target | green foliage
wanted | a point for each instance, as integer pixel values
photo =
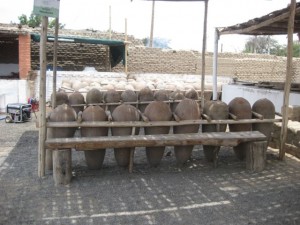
(157, 42)
(265, 45)
(51, 24)
(36, 21)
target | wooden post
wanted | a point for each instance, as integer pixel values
(287, 86)
(62, 166)
(152, 25)
(42, 98)
(203, 55)
(55, 62)
(256, 156)
(126, 47)
(110, 22)
(130, 167)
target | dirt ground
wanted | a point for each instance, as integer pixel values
(194, 194)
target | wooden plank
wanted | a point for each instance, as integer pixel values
(214, 138)
(157, 123)
(130, 167)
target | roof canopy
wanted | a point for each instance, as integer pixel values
(274, 23)
(116, 48)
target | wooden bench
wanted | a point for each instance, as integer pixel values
(255, 157)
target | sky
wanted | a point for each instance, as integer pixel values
(179, 22)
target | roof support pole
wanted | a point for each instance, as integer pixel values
(152, 25)
(287, 86)
(55, 62)
(215, 65)
(203, 54)
(42, 98)
(126, 47)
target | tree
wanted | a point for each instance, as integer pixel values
(36, 21)
(157, 42)
(260, 44)
(265, 44)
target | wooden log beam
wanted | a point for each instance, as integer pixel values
(214, 138)
(256, 156)
(157, 123)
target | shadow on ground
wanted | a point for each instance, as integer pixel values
(194, 194)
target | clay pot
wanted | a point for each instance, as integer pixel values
(192, 94)
(61, 98)
(241, 108)
(75, 99)
(94, 158)
(161, 95)
(176, 95)
(112, 96)
(63, 113)
(124, 112)
(216, 110)
(266, 108)
(129, 96)
(145, 95)
(94, 96)
(187, 109)
(157, 111)
(62, 159)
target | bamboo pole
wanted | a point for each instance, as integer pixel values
(109, 22)
(215, 65)
(126, 48)
(157, 123)
(55, 62)
(203, 54)
(287, 86)
(42, 99)
(152, 25)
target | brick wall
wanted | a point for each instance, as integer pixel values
(24, 56)
(245, 67)
(73, 56)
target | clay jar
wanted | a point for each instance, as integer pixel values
(94, 158)
(267, 109)
(176, 95)
(187, 109)
(112, 96)
(62, 158)
(61, 98)
(94, 96)
(76, 98)
(241, 108)
(145, 95)
(128, 96)
(157, 111)
(63, 113)
(124, 112)
(216, 110)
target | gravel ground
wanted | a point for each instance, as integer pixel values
(194, 194)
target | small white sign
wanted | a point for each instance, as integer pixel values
(48, 8)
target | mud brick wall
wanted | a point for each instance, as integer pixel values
(73, 56)
(292, 145)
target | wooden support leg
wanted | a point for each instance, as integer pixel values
(62, 166)
(216, 156)
(49, 152)
(49, 159)
(130, 166)
(256, 156)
